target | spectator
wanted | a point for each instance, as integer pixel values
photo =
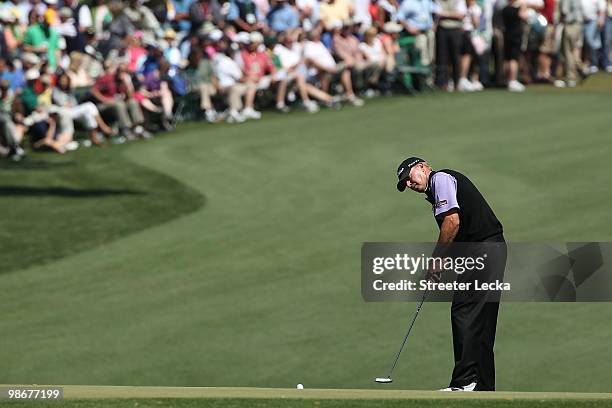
(346, 46)
(203, 11)
(547, 49)
(514, 15)
(607, 39)
(448, 41)
(292, 70)
(594, 14)
(324, 67)
(571, 17)
(159, 88)
(12, 75)
(416, 17)
(375, 55)
(11, 133)
(42, 39)
(309, 13)
(283, 16)
(333, 12)
(234, 84)
(245, 16)
(86, 113)
(468, 51)
(114, 92)
(200, 80)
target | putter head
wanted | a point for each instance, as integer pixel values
(383, 380)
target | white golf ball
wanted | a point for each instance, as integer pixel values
(300, 386)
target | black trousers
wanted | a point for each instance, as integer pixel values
(448, 49)
(474, 321)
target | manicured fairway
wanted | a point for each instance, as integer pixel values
(229, 255)
(104, 396)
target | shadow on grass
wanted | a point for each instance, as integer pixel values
(33, 164)
(19, 191)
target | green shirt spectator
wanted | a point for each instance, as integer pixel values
(41, 36)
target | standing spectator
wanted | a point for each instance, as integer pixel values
(283, 16)
(607, 38)
(571, 17)
(416, 17)
(448, 41)
(514, 14)
(468, 51)
(594, 14)
(114, 93)
(547, 49)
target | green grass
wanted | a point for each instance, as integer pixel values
(260, 287)
(296, 403)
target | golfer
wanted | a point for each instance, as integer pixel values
(464, 216)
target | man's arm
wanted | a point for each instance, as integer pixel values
(449, 227)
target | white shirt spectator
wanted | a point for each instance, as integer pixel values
(227, 71)
(289, 58)
(362, 13)
(592, 8)
(373, 52)
(318, 53)
(85, 19)
(473, 13)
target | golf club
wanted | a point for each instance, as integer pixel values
(388, 379)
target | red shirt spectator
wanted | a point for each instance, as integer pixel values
(257, 64)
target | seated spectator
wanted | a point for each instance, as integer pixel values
(333, 11)
(12, 75)
(114, 93)
(283, 16)
(63, 123)
(309, 13)
(346, 47)
(294, 70)
(42, 39)
(234, 84)
(86, 113)
(135, 52)
(245, 16)
(319, 59)
(200, 80)
(11, 133)
(372, 48)
(203, 11)
(158, 86)
(39, 124)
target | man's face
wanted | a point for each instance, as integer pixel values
(417, 179)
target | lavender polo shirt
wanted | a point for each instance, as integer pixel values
(444, 189)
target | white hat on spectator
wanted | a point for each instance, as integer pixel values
(32, 74)
(392, 27)
(257, 37)
(215, 35)
(242, 37)
(207, 28)
(51, 2)
(30, 58)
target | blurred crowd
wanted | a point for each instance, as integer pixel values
(122, 70)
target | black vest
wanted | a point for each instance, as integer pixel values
(477, 222)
